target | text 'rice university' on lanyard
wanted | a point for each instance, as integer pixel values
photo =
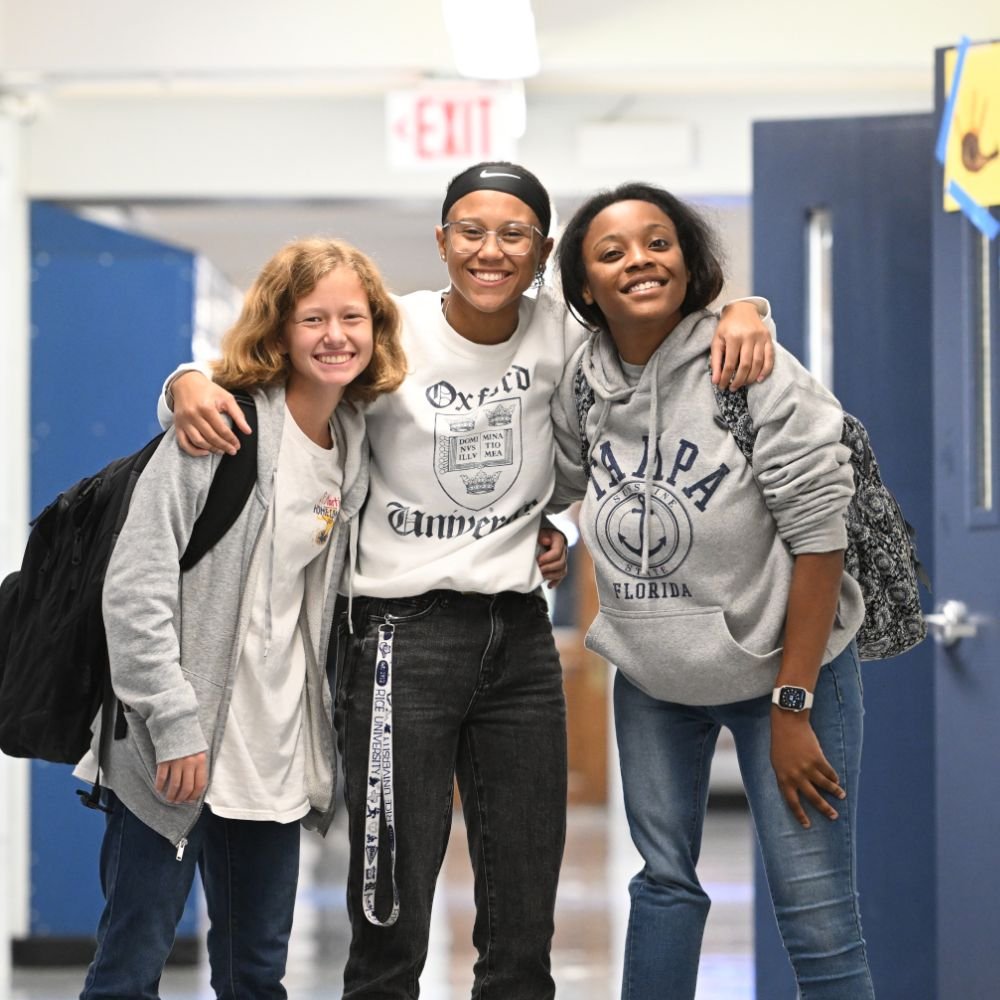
(380, 778)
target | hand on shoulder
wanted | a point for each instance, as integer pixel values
(200, 411)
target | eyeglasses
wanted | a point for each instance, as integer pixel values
(514, 238)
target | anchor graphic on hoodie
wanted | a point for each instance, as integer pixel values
(641, 511)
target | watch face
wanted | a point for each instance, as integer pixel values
(792, 698)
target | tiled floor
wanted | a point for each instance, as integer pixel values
(590, 923)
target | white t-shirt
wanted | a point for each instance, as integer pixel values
(259, 773)
(462, 455)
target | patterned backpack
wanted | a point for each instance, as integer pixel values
(881, 549)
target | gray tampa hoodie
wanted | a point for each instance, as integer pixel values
(693, 548)
(174, 641)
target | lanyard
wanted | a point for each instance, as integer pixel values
(380, 779)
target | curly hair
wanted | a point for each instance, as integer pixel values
(251, 349)
(698, 242)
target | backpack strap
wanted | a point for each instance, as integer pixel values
(231, 488)
(583, 397)
(112, 719)
(734, 414)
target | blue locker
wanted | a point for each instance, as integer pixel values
(111, 313)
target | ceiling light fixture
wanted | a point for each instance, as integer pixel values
(492, 42)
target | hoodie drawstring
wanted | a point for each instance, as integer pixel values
(608, 396)
(270, 563)
(601, 420)
(652, 450)
(352, 560)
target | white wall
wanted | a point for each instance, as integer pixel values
(322, 147)
(13, 507)
(587, 45)
(107, 38)
(245, 98)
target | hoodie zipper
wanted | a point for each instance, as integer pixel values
(217, 733)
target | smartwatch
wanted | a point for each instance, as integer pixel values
(792, 698)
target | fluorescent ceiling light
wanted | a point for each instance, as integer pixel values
(491, 41)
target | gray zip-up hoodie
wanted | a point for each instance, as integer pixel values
(693, 549)
(174, 641)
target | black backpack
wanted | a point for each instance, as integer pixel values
(54, 675)
(881, 549)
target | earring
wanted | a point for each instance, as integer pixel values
(539, 276)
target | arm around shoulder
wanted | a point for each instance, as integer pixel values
(203, 413)
(762, 305)
(165, 403)
(742, 350)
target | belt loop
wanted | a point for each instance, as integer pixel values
(362, 608)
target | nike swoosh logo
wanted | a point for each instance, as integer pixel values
(497, 173)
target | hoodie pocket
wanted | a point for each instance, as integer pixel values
(142, 742)
(686, 656)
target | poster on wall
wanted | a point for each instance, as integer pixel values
(970, 139)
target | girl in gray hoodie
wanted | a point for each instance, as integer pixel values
(221, 671)
(723, 595)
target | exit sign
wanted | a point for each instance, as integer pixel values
(450, 127)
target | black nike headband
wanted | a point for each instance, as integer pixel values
(505, 177)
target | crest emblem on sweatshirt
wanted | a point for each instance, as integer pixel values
(625, 517)
(477, 454)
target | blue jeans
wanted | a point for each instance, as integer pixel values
(249, 871)
(666, 752)
(476, 693)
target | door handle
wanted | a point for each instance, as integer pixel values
(951, 623)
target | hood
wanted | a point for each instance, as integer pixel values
(602, 364)
(270, 403)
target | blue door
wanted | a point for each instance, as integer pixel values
(967, 575)
(842, 247)
(110, 313)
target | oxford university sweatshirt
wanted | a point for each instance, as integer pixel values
(462, 454)
(693, 548)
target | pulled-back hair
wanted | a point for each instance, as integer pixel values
(698, 242)
(251, 349)
(509, 178)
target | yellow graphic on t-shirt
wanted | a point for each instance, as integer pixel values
(326, 510)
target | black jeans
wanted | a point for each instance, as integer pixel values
(476, 692)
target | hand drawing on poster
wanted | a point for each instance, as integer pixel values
(969, 143)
